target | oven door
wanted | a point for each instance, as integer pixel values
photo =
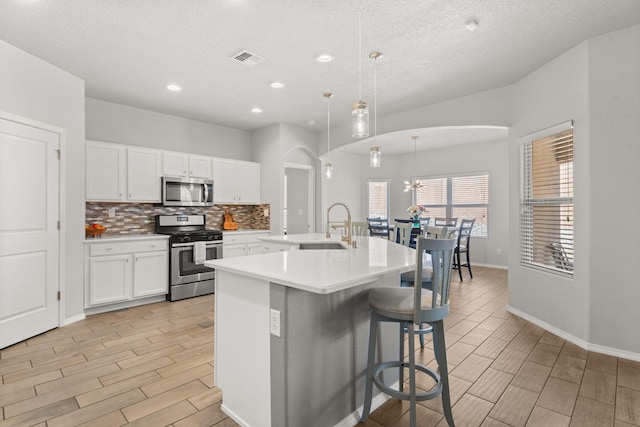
(184, 270)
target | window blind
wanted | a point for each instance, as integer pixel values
(546, 202)
(378, 198)
(457, 197)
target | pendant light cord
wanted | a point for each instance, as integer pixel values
(360, 57)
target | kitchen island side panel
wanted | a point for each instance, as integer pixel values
(242, 355)
(318, 363)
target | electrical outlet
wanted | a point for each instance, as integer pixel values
(274, 324)
(112, 212)
(498, 251)
(266, 212)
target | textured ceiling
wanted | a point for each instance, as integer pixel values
(128, 50)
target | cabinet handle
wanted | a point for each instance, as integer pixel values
(129, 195)
(119, 194)
(107, 249)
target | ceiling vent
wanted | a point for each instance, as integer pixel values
(247, 58)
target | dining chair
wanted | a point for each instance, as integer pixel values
(448, 222)
(378, 227)
(462, 247)
(359, 228)
(403, 232)
(410, 307)
(433, 232)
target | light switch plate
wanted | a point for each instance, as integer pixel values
(274, 324)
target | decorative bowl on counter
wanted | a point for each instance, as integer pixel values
(94, 230)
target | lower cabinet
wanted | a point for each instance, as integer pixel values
(239, 243)
(123, 271)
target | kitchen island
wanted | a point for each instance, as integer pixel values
(291, 328)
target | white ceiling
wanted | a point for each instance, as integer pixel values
(128, 50)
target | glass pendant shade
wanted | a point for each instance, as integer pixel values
(375, 157)
(328, 170)
(360, 120)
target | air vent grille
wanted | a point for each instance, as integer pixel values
(247, 58)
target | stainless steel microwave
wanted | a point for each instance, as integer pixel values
(187, 191)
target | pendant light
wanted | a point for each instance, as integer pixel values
(375, 156)
(328, 169)
(360, 113)
(414, 185)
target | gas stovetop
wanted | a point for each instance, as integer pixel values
(186, 228)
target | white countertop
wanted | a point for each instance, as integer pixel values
(323, 271)
(126, 238)
(245, 231)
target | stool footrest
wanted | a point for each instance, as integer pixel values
(403, 395)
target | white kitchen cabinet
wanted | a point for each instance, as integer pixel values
(143, 175)
(236, 181)
(200, 167)
(123, 272)
(109, 279)
(150, 273)
(243, 243)
(175, 164)
(105, 171)
(116, 172)
(185, 165)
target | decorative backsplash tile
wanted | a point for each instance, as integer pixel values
(139, 218)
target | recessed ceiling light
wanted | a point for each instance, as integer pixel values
(324, 57)
(174, 88)
(276, 85)
(471, 24)
(256, 110)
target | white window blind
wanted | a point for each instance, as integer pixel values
(378, 198)
(546, 200)
(457, 197)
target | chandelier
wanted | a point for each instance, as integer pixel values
(414, 184)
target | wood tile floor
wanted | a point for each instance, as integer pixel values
(153, 366)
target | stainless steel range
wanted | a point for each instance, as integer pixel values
(191, 244)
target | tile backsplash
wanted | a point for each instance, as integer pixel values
(139, 218)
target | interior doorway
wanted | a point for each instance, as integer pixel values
(299, 199)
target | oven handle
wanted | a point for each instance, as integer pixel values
(191, 244)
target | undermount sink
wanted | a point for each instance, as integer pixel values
(323, 245)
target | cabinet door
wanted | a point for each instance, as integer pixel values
(224, 180)
(248, 183)
(143, 175)
(200, 167)
(256, 248)
(104, 171)
(231, 251)
(109, 279)
(174, 164)
(150, 274)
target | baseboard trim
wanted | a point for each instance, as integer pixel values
(233, 416)
(73, 319)
(499, 267)
(609, 351)
(377, 401)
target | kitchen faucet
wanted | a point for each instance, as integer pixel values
(347, 224)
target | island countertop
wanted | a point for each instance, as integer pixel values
(323, 271)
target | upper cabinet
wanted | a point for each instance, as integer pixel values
(118, 173)
(105, 171)
(143, 175)
(186, 165)
(236, 181)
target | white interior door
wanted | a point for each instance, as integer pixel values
(29, 236)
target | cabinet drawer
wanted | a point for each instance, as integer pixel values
(117, 248)
(233, 239)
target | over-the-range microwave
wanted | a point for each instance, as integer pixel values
(186, 191)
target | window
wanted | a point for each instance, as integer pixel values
(546, 200)
(378, 198)
(457, 197)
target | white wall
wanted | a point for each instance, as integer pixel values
(345, 186)
(109, 122)
(34, 89)
(597, 84)
(614, 111)
(267, 149)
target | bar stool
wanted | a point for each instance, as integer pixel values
(410, 307)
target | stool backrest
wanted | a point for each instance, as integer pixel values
(464, 234)
(359, 228)
(436, 232)
(441, 253)
(378, 227)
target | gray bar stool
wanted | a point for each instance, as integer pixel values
(411, 307)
